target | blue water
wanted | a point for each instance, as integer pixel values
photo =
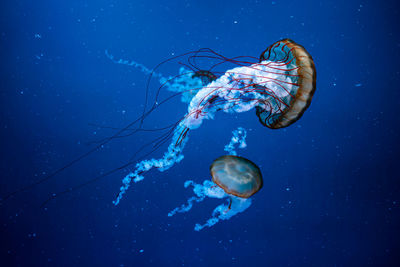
(331, 189)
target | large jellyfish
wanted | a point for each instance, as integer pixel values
(280, 87)
(233, 177)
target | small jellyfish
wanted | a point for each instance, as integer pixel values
(233, 177)
(236, 175)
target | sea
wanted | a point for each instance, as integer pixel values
(85, 99)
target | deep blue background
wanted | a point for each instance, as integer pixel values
(331, 180)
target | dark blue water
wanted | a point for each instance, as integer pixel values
(331, 189)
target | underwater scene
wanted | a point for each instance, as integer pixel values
(199, 133)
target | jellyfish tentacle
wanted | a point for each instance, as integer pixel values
(171, 156)
(230, 205)
(238, 138)
(187, 82)
(207, 189)
(186, 207)
(225, 212)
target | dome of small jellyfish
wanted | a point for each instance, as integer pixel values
(236, 175)
(295, 91)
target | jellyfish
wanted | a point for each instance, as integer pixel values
(279, 87)
(233, 177)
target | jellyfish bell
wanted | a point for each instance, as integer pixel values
(296, 93)
(236, 175)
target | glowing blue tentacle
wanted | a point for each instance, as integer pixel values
(224, 212)
(133, 63)
(238, 138)
(184, 83)
(171, 156)
(185, 207)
